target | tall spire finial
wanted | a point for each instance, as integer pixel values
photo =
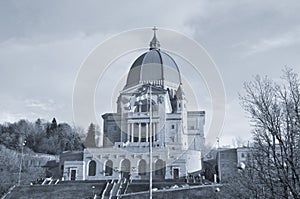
(154, 30)
(154, 44)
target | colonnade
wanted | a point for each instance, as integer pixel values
(143, 133)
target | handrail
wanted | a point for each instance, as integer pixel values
(105, 190)
(8, 192)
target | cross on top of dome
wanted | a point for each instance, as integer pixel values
(154, 44)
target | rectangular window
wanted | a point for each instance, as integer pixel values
(173, 126)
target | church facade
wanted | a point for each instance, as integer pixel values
(152, 124)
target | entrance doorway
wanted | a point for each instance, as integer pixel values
(160, 169)
(176, 173)
(73, 174)
(125, 168)
(108, 168)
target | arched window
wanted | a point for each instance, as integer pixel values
(160, 168)
(142, 167)
(92, 168)
(108, 168)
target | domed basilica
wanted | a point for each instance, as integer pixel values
(152, 124)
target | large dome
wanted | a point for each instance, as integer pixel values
(154, 67)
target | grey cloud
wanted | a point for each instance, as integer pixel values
(43, 43)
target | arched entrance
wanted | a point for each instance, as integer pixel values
(142, 167)
(160, 169)
(125, 168)
(108, 168)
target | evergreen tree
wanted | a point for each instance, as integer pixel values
(90, 139)
(53, 124)
(51, 128)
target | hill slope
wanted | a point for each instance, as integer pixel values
(60, 191)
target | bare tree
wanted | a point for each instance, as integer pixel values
(274, 112)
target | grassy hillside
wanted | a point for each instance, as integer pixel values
(68, 190)
(10, 167)
(84, 190)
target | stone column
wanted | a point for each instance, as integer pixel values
(140, 132)
(154, 131)
(147, 136)
(128, 132)
(132, 132)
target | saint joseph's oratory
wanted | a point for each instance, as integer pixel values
(151, 119)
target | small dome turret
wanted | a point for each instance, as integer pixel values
(179, 93)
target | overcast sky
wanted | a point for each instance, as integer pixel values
(43, 43)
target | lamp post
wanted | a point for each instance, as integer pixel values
(20, 168)
(93, 188)
(219, 159)
(150, 145)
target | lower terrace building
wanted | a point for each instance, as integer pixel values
(230, 160)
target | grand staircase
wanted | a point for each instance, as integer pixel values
(114, 188)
